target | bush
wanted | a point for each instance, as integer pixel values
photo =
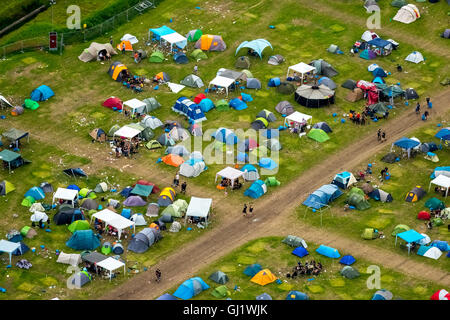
(15, 10)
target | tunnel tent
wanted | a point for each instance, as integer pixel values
(276, 60)
(156, 57)
(210, 42)
(94, 51)
(198, 55)
(407, 14)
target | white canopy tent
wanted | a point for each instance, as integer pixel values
(111, 264)
(175, 38)
(9, 247)
(199, 207)
(301, 68)
(441, 181)
(222, 82)
(134, 105)
(114, 220)
(298, 117)
(66, 195)
(127, 132)
(230, 173)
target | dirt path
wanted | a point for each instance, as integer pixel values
(275, 220)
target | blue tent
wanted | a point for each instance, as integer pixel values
(190, 288)
(237, 104)
(406, 143)
(225, 136)
(257, 45)
(83, 240)
(347, 260)
(166, 296)
(242, 157)
(180, 58)
(382, 294)
(252, 269)
(379, 72)
(267, 163)
(162, 31)
(20, 251)
(297, 295)
(206, 105)
(256, 190)
(73, 187)
(441, 245)
(328, 251)
(378, 80)
(126, 192)
(442, 133)
(322, 196)
(42, 93)
(437, 169)
(189, 109)
(380, 43)
(249, 168)
(35, 192)
(274, 82)
(300, 252)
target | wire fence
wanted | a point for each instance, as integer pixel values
(83, 35)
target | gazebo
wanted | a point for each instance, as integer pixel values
(9, 247)
(222, 82)
(114, 220)
(199, 207)
(134, 106)
(301, 68)
(66, 195)
(175, 39)
(441, 181)
(111, 264)
(230, 173)
(409, 236)
(127, 132)
(297, 117)
(9, 157)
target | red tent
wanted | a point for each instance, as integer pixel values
(113, 102)
(440, 295)
(147, 183)
(199, 98)
(423, 215)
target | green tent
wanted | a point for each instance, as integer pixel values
(28, 232)
(436, 222)
(147, 134)
(181, 204)
(260, 151)
(247, 73)
(142, 190)
(79, 225)
(106, 248)
(157, 57)
(399, 3)
(272, 182)
(349, 272)
(222, 105)
(293, 241)
(357, 191)
(434, 204)
(379, 108)
(194, 35)
(86, 193)
(31, 104)
(319, 135)
(400, 228)
(198, 54)
(358, 201)
(28, 201)
(113, 129)
(369, 234)
(152, 104)
(172, 210)
(153, 144)
(220, 292)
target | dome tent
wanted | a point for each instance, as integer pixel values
(219, 277)
(286, 88)
(410, 93)
(349, 84)
(190, 288)
(194, 35)
(156, 57)
(250, 172)
(407, 14)
(266, 114)
(324, 68)
(83, 240)
(253, 83)
(151, 104)
(263, 277)
(276, 60)
(242, 63)
(284, 107)
(198, 55)
(42, 93)
(192, 81)
(327, 82)
(256, 190)
(210, 42)
(180, 58)
(323, 126)
(415, 57)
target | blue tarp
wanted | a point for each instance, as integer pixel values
(300, 252)
(410, 236)
(442, 133)
(237, 104)
(190, 288)
(347, 260)
(441, 245)
(42, 93)
(328, 251)
(406, 143)
(257, 45)
(322, 196)
(35, 192)
(256, 190)
(162, 31)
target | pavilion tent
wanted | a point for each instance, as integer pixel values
(301, 68)
(9, 247)
(222, 82)
(441, 181)
(157, 33)
(111, 265)
(297, 117)
(199, 207)
(134, 106)
(12, 160)
(229, 173)
(314, 96)
(67, 195)
(15, 135)
(409, 237)
(115, 220)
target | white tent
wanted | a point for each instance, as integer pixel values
(175, 87)
(372, 67)
(111, 264)
(425, 240)
(433, 253)
(369, 35)
(138, 219)
(151, 122)
(416, 139)
(415, 57)
(222, 82)
(134, 105)
(188, 170)
(441, 181)
(199, 207)
(127, 132)
(9, 247)
(73, 259)
(38, 216)
(37, 206)
(114, 220)
(3, 99)
(407, 14)
(66, 195)
(297, 117)
(175, 38)
(129, 37)
(230, 173)
(301, 68)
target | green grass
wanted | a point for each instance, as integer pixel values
(329, 285)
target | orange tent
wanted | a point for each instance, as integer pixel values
(173, 160)
(154, 226)
(128, 46)
(263, 277)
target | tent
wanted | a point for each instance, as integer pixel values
(80, 279)
(151, 122)
(381, 195)
(314, 96)
(190, 288)
(96, 50)
(286, 88)
(134, 201)
(267, 163)
(179, 150)
(440, 295)
(79, 225)
(256, 190)
(75, 172)
(67, 195)
(349, 84)
(73, 259)
(347, 260)
(327, 82)
(198, 55)
(117, 71)
(156, 57)
(89, 204)
(12, 160)
(441, 181)
(294, 241)
(179, 134)
(222, 82)
(322, 196)
(129, 37)
(297, 295)
(369, 234)
(253, 83)
(199, 207)
(42, 93)
(238, 104)
(9, 247)
(266, 114)
(252, 270)
(415, 194)
(192, 81)
(344, 180)
(206, 105)
(230, 173)
(273, 144)
(301, 68)
(379, 109)
(67, 216)
(144, 239)
(219, 277)
(272, 182)
(423, 215)
(242, 63)
(113, 102)
(141, 190)
(368, 54)
(257, 46)
(300, 252)
(263, 277)
(175, 38)
(194, 35)
(399, 3)
(166, 197)
(189, 109)
(409, 236)
(111, 265)
(225, 136)
(382, 295)
(180, 58)
(14, 135)
(166, 296)
(328, 251)
(114, 220)
(429, 252)
(358, 201)
(379, 72)
(333, 49)
(151, 104)
(407, 14)
(98, 135)
(157, 33)
(210, 42)
(35, 192)
(18, 110)
(435, 203)
(31, 104)
(192, 168)
(173, 160)
(276, 60)
(350, 272)
(324, 68)
(285, 107)
(83, 240)
(274, 82)
(318, 135)
(406, 144)
(415, 57)
(125, 43)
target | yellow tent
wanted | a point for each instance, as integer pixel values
(128, 46)
(263, 277)
(6, 187)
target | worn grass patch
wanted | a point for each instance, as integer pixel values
(257, 247)
(27, 287)
(285, 286)
(41, 174)
(228, 268)
(29, 60)
(245, 260)
(379, 222)
(315, 288)
(49, 281)
(337, 283)
(337, 28)
(98, 115)
(387, 278)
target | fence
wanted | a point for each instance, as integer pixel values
(83, 35)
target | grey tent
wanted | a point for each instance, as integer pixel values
(178, 150)
(379, 108)
(333, 48)
(166, 218)
(95, 50)
(89, 204)
(147, 134)
(273, 144)
(134, 201)
(276, 60)
(381, 195)
(383, 294)
(152, 210)
(294, 241)
(175, 227)
(152, 104)
(266, 114)
(349, 84)
(446, 34)
(93, 257)
(264, 296)
(285, 107)
(46, 187)
(101, 187)
(144, 239)
(349, 272)
(80, 279)
(410, 93)
(242, 63)
(328, 82)
(165, 140)
(219, 277)
(428, 147)
(192, 81)
(253, 83)
(367, 188)
(324, 126)
(324, 68)
(389, 158)
(142, 54)
(196, 130)
(371, 5)
(286, 88)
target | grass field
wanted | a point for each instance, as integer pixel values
(276, 256)
(60, 127)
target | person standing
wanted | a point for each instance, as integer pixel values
(195, 69)
(251, 210)
(158, 275)
(429, 104)
(418, 108)
(383, 136)
(244, 211)
(123, 48)
(379, 134)
(176, 180)
(183, 187)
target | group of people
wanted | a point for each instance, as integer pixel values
(381, 135)
(227, 183)
(126, 147)
(176, 183)
(426, 114)
(309, 268)
(135, 83)
(250, 210)
(357, 117)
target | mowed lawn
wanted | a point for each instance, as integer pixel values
(405, 175)
(276, 256)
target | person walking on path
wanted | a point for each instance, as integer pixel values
(383, 136)
(244, 211)
(418, 108)
(183, 187)
(176, 180)
(158, 275)
(379, 134)
(251, 210)
(429, 103)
